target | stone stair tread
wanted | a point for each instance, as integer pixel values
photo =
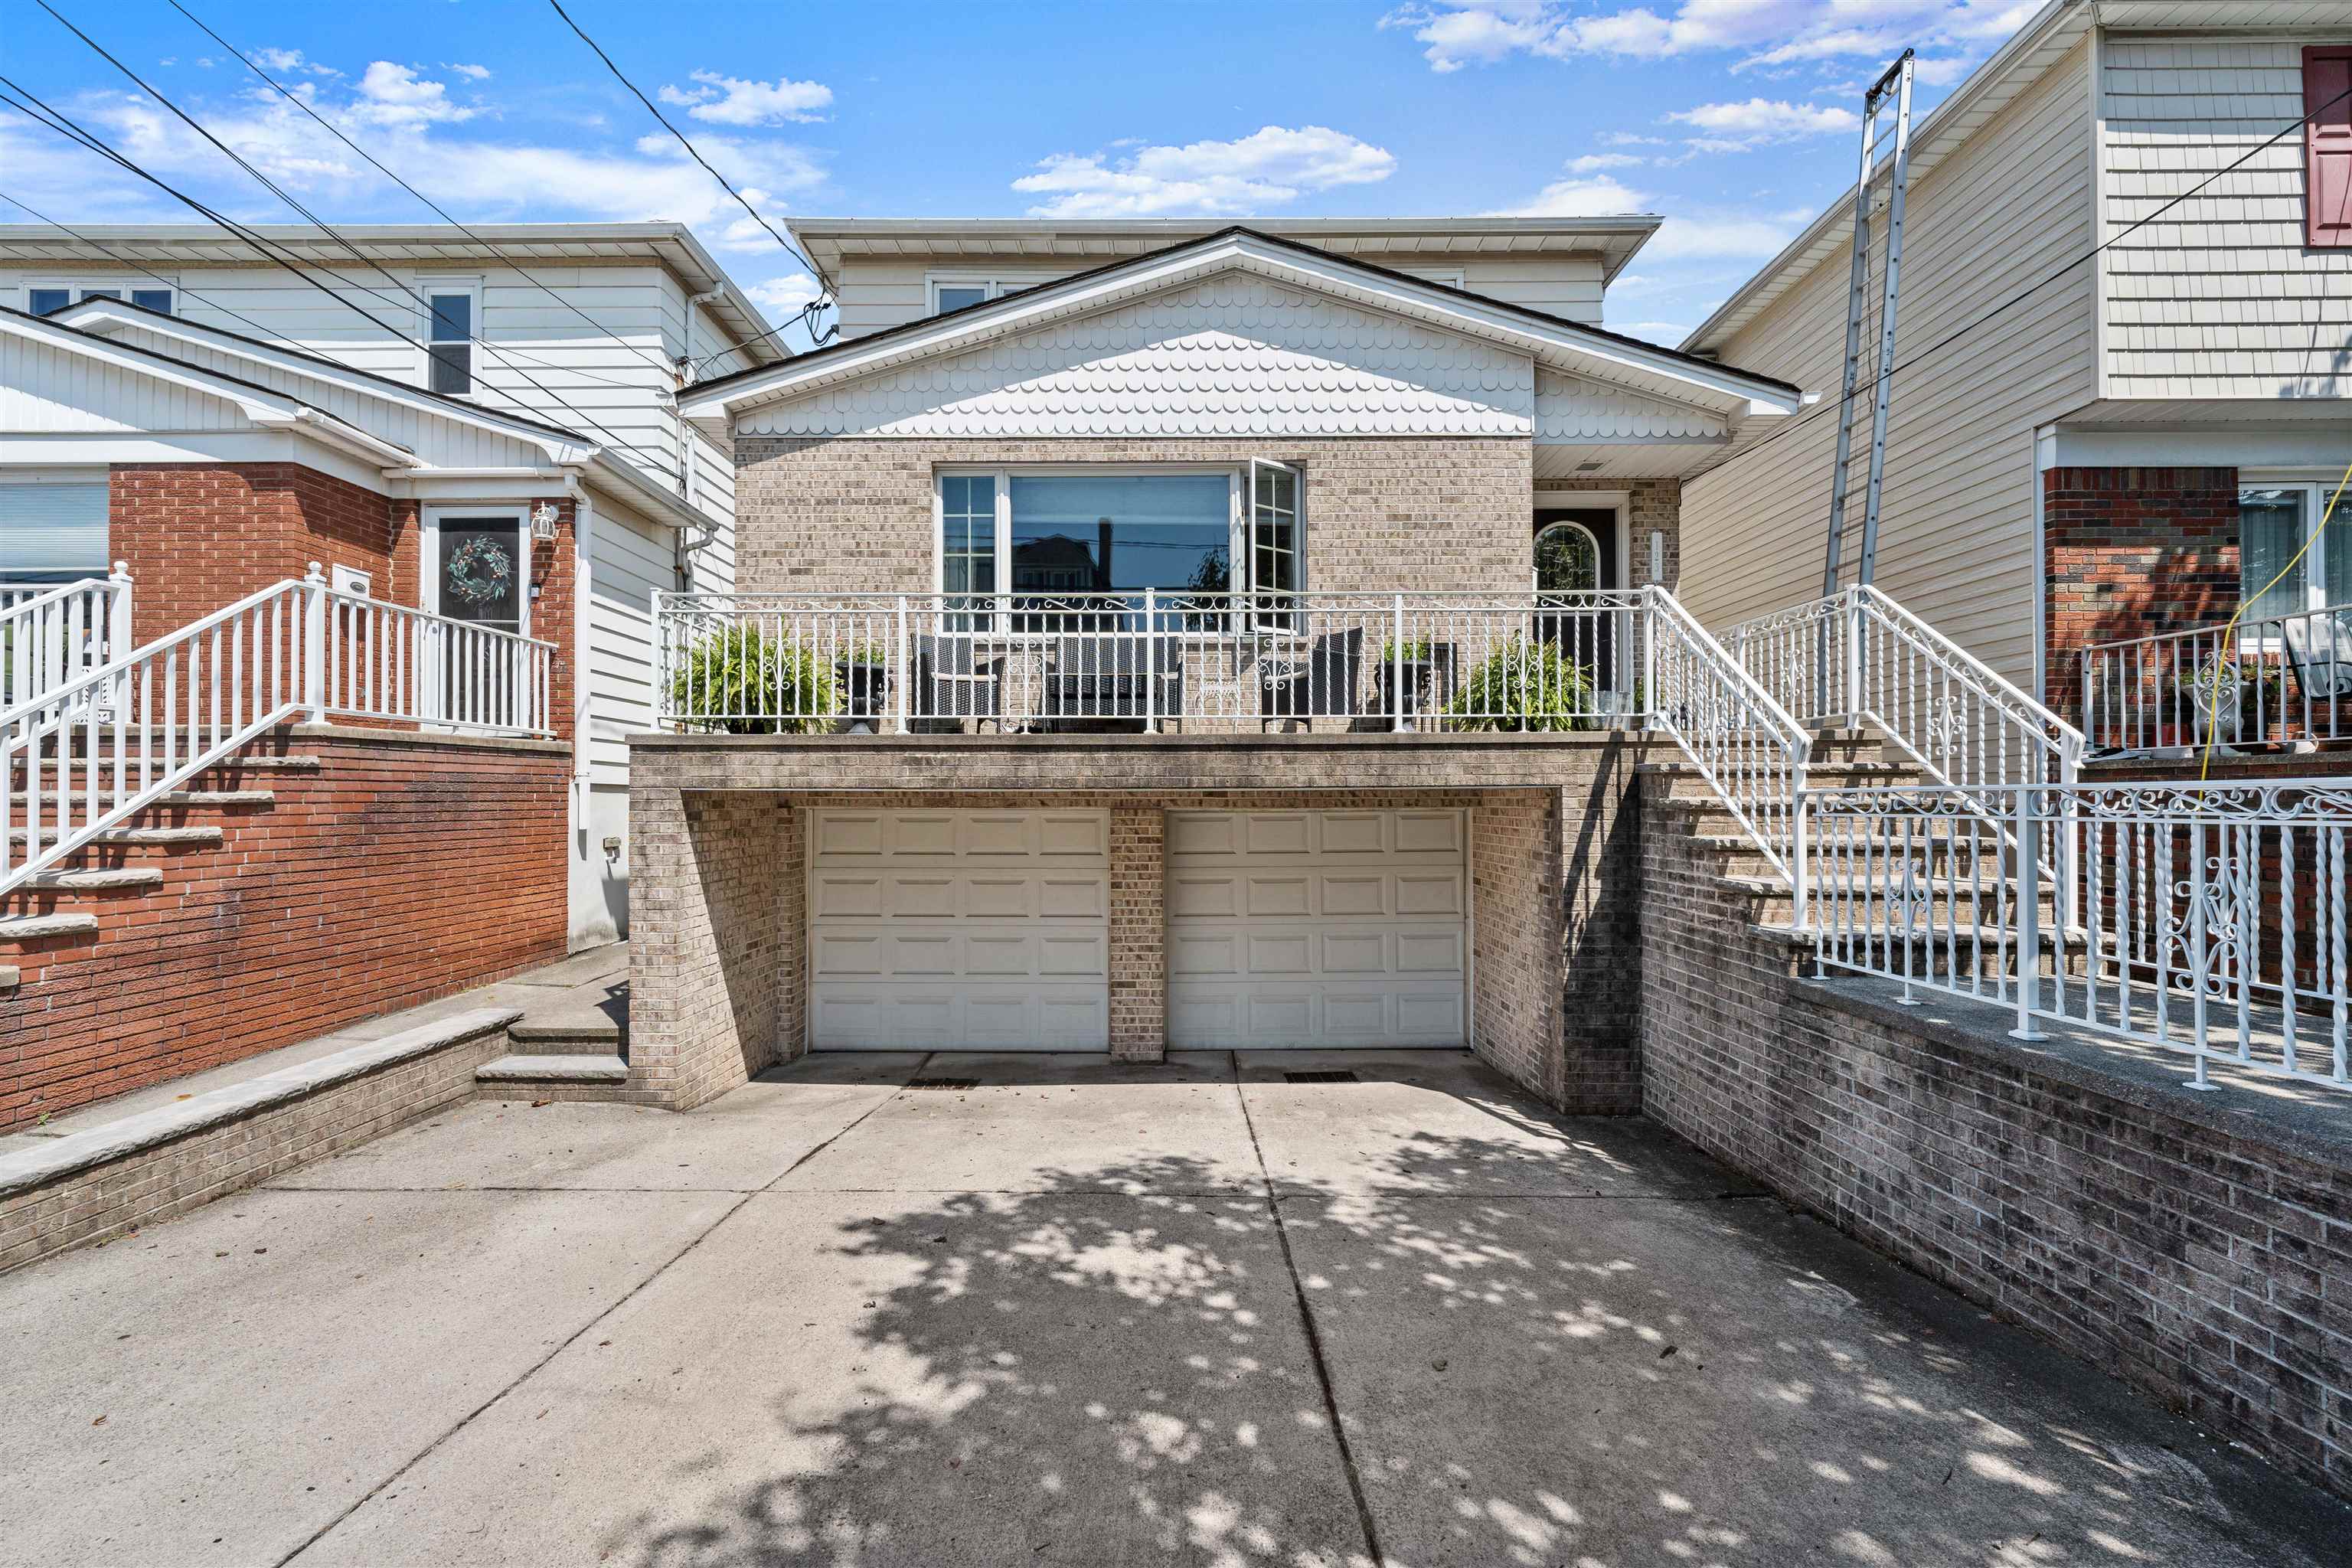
(178, 798)
(581, 1068)
(27, 928)
(585, 1027)
(112, 879)
(132, 836)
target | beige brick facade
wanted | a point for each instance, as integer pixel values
(855, 514)
(1651, 506)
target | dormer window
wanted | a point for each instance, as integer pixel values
(48, 299)
(964, 289)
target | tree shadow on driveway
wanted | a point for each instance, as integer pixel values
(1076, 1373)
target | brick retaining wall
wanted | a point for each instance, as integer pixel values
(2198, 1246)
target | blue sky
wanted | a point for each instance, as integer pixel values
(1735, 118)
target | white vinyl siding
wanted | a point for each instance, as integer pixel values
(2218, 297)
(947, 929)
(628, 558)
(882, 293)
(51, 391)
(1956, 544)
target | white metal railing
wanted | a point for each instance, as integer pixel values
(2269, 679)
(2206, 920)
(1860, 657)
(51, 633)
(804, 664)
(1749, 747)
(97, 750)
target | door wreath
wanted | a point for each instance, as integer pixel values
(479, 569)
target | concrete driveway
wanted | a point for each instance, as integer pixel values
(1078, 1314)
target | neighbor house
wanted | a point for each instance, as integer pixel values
(2124, 318)
(475, 436)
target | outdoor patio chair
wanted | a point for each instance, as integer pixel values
(1301, 682)
(957, 682)
(2319, 648)
(1110, 676)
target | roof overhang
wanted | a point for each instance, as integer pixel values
(430, 246)
(1087, 242)
(2041, 44)
(1552, 342)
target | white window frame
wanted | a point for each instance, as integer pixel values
(996, 284)
(1454, 279)
(471, 287)
(1589, 537)
(1239, 547)
(429, 546)
(2338, 535)
(82, 287)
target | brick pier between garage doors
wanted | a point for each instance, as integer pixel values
(1487, 902)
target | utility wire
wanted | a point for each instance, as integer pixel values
(2029, 291)
(276, 190)
(140, 267)
(337, 133)
(44, 114)
(807, 315)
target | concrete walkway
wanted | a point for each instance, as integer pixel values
(1078, 1314)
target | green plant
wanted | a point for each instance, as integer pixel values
(740, 682)
(1416, 651)
(1524, 686)
(862, 653)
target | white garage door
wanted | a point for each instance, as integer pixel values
(949, 930)
(1316, 928)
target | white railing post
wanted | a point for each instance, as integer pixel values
(1853, 637)
(2026, 823)
(119, 640)
(905, 663)
(314, 644)
(1650, 656)
(1396, 663)
(1149, 660)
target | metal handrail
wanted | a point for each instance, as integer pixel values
(2225, 682)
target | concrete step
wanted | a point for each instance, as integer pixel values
(566, 1037)
(132, 837)
(36, 928)
(112, 880)
(178, 798)
(287, 764)
(520, 1073)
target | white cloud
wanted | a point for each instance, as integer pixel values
(1667, 332)
(471, 73)
(1722, 237)
(286, 62)
(1459, 33)
(1601, 195)
(1269, 167)
(783, 297)
(1735, 126)
(732, 101)
(394, 95)
(1593, 162)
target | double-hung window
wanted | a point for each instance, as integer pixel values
(961, 290)
(48, 299)
(1017, 548)
(451, 327)
(2278, 574)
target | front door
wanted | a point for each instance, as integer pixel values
(1576, 553)
(480, 578)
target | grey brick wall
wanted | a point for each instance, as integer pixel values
(1651, 506)
(855, 515)
(2178, 1243)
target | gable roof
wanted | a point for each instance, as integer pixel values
(92, 328)
(1553, 340)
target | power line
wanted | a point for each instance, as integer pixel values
(282, 195)
(807, 315)
(139, 266)
(335, 130)
(2038, 285)
(44, 114)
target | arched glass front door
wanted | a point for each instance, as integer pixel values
(1568, 558)
(1571, 562)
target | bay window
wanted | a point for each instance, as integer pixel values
(1086, 536)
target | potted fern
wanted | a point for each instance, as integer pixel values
(1414, 662)
(740, 681)
(1524, 685)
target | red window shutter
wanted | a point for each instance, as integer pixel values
(2327, 145)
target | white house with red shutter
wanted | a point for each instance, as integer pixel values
(2124, 342)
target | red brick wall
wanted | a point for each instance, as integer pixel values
(200, 536)
(406, 869)
(2133, 551)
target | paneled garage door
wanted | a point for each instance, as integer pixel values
(1316, 928)
(944, 930)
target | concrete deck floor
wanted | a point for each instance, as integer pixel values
(1081, 1315)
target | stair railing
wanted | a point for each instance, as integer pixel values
(51, 633)
(1749, 748)
(94, 751)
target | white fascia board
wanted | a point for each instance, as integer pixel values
(1561, 347)
(255, 403)
(100, 316)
